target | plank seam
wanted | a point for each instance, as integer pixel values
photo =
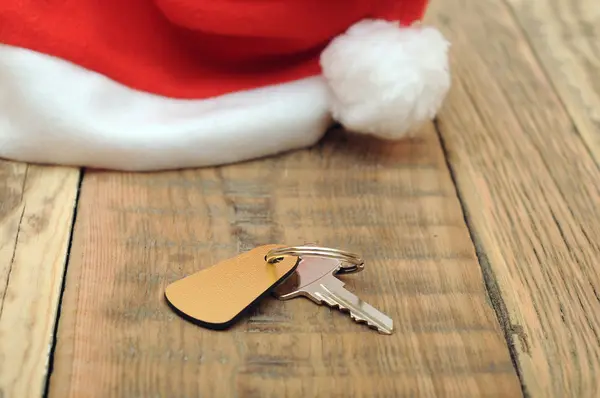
(489, 278)
(52, 353)
(12, 260)
(14, 253)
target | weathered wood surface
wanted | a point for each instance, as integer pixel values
(394, 203)
(530, 186)
(36, 210)
(565, 35)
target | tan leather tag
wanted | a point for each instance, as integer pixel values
(215, 297)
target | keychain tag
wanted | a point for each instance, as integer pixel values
(215, 297)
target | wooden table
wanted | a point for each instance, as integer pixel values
(482, 238)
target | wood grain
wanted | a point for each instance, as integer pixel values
(565, 35)
(531, 190)
(36, 210)
(394, 203)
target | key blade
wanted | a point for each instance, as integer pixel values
(336, 295)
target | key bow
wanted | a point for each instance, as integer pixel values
(350, 262)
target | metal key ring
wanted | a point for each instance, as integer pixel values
(351, 262)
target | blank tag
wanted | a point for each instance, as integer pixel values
(215, 297)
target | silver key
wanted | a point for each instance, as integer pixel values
(315, 279)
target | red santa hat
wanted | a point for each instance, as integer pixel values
(163, 84)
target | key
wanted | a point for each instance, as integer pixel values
(315, 279)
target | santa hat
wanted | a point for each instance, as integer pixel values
(163, 84)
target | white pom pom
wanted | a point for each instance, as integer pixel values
(386, 80)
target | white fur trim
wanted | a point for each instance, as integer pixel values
(52, 111)
(384, 79)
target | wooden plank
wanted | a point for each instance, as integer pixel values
(565, 35)
(531, 191)
(36, 210)
(394, 203)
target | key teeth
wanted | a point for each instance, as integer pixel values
(357, 318)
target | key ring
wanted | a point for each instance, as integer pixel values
(351, 262)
